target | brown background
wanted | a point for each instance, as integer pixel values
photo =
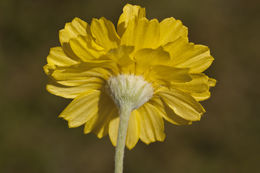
(34, 140)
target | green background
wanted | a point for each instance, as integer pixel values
(34, 140)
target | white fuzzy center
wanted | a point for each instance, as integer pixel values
(129, 90)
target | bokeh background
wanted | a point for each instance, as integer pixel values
(33, 139)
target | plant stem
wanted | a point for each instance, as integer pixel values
(125, 112)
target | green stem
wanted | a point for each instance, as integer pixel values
(125, 112)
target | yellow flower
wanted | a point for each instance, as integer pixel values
(147, 64)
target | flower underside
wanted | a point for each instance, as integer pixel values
(147, 64)
(129, 90)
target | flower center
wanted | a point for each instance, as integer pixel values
(129, 90)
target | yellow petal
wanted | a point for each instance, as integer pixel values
(182, 104)
(130, 12)
(198, 84)
(212, 82)
(151, 124)
(69, 52)
(121, 56)
(81, 72)
(167, 113)
(133, 130)
(198, 87)
(104, 32)
(206, 94)
(73, 91)
(149, 57)
(48, 69)
(188, 55)
(145, 58)
(142, 34)
(170, 74)
(177, 48)
(73, 29)
(122, 52)
(113, 130)
(82, 108)
(106, 111)
(59, 58)
(81, 81)
(85, 49)
(171, 29)
(201, 96)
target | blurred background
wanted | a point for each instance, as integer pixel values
(33, 139)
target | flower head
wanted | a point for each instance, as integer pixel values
(147, 64)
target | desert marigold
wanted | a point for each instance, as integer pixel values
(149, 65)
